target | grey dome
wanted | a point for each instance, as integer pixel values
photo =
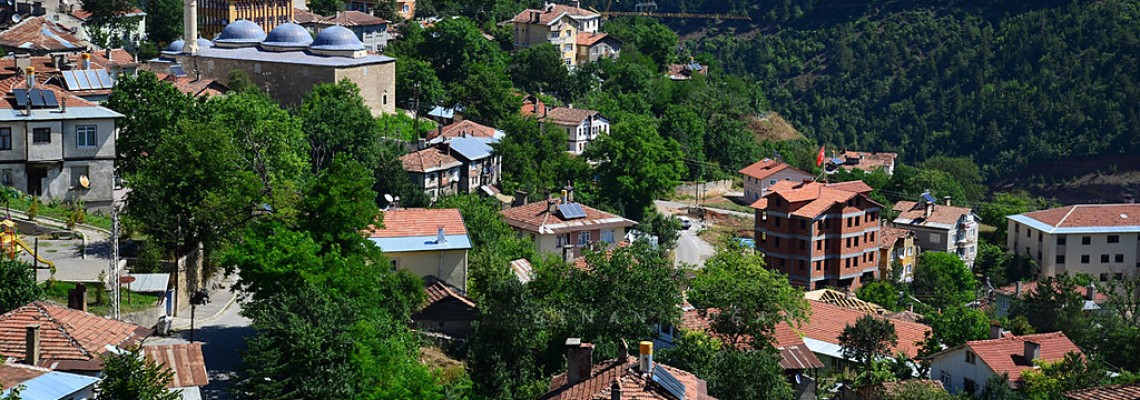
(175, 46)
(242, 31)
(337, 38)
(203, 43)
(288, 35)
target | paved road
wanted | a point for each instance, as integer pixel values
(664, 206)
(692, 249)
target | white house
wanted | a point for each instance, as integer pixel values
(582, 126)
(940, 227)
(965, 368)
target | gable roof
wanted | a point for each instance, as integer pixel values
(40, 34)
(42, 383)
(535, 217)
(942, 216)
(794, 354)
(184, 360)
(827, 322)
(1084, 218)
(84, 14)
(1130, 391)
(69, 339)
(591, 38)
(440, 291)
(817, 197)
(767, 167)
(472, 148)
(413, 222)
(195, 87)
(429, 159)
(632, 383)
(568, 116)
(465, 128)
(552, 13)
(841, 299)
(1006, 355)
(888, 235)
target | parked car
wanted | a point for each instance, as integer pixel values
(686, 223)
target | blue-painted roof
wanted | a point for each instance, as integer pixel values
(422, 243)
(473, 148)
(292, 57)
(288, 35)
(337, 38)
(54, 385)
(440, 112)
(241, 31)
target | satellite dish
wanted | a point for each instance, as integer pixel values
(388, 197)
(84, 182)
(16, 18)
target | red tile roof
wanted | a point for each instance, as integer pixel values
(1089, 215)
(590, 38)
(534, 217)
(12, 374)
(66, 98)
(888, 235)
(766, 167)
(913, 213)
(523, 270)
(413, 222)
(305, 16)
(463, 128)
(440, 291)
(530, 104)
(45, 66)
(827, 322)
(633, 385)
(682, 71)
(567, 116)
(354, 18)
(1130, 391)
(40, 34)
(548, 15)
(71, 338)
(794, 354)
(1031, 287)
(428, 160)
(195, 87)
(852, 186)
(819, 197)
(84, 14)
(869, 160)
(184, 360)
(1006, 355)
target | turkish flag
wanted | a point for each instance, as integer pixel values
(819, 158)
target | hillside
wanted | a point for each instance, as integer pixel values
(772, 127)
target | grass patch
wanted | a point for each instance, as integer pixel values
(58, 211)
(132, 302)
(726, 227)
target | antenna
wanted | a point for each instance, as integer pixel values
(116, 295)
(388, 198)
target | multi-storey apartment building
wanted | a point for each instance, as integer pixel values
(217, 14)
(1101, 240)
(940, 227)
(560, 25)
(821, 235)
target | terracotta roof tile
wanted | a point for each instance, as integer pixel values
(888, 235)
(428, 160)
(412, 222)
(523, 270)
(39, 34)
(818, 197)
(1089, 215)
(195, 87)
(463, 128)
(794, 354)
(534, 217)
(530, 105)
(827, 322)
(184, 360)
(567, 116)
(354, 18)
(766, 167)
(852, 186)
(66, 98)
(84, 14)
(12, 374)
(633, 386)
(66, 335)
(1031, 287)
(590, 38)
(913, 213)
(1006, 355)
(1129, 391)
(440, 291)
(547, 16)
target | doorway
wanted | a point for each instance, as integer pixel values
(36, 178)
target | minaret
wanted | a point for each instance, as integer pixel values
(190, 27)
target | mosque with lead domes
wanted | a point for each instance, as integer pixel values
(286, 62)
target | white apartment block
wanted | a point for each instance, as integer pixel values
(1101, 240)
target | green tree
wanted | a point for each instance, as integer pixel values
(131, 376)
(646, 36)
(339, 204)
(11, 393)
(151, 109)
(418, 85)
(1055, 305)
(108, 20)
(506, 343)
(19, 286)
(454, 47)
(918, 390)
(391, 179)
(539, 69)
(1005, 204)
(870, 338)
(997, 388)
(747, 375)
(665, 228)
(336, 121)
(954, 326)
(636, 165)
(326, 7)
(749, 299)
(943, 280)
(487, 94)
(164, 21)
(883, 293)
(962, 170)
(1052, 380)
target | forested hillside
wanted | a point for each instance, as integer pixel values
(1005, 86)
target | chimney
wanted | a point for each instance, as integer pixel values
(995, 330)
(579, 360)
(551, 206)
(520, 198)
(1090, 292)
(536, 105)
(1017, 289)
(615, 390)
(23, 60)
(190, 27)
(1032, 351)
(623, 351)
(441, 236)
(928, 209)
(946, 200)
(32, 345)
(77, 298)
(107, 53)
(645, 357)
(85, 61)
(421, 143)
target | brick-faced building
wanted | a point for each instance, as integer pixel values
(821, 235)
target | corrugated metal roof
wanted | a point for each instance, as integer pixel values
(422, 243)
(148, 283)
(473, 148)
(291, 57)
(55, 385)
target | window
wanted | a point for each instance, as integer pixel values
(6, 177)
(771, 182)
(803, 244)
(848, 222)
(818, 265)
(777, 220)
(1103, 277)
(1084, 258)
(871, 257)
(1119, 258)
(1060, 240)
(76, 173)
(5, 138)
(1060, 259)
(1086, 239)
(946, 379)
(801, 267)
(85, 136)
(1028, 233)
(1118, 276)
(41, 135)
(777, 242)
(968, 386)
(934, 238)
(583, 238)
(395, 264)
(1104, 258)
(803, 224)
(819, 245)
(608, 235)
(971, 358)
(1113, 239)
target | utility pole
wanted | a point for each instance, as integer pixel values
(115, 292)
(416, 107)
